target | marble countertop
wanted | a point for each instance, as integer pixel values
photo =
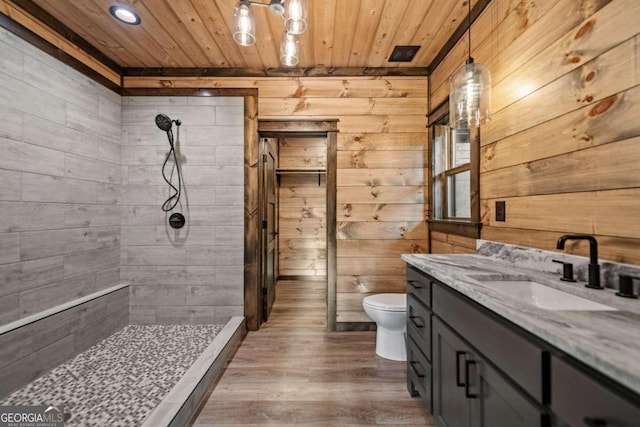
(608, 341)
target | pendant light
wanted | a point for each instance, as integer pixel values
(295, 18)
(244, 32)
(294, 15)
(470, 92)
(289, 54)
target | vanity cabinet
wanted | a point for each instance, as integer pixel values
(451, 361)
(473, 367)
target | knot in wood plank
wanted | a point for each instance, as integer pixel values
(602, 106)
(586, 27)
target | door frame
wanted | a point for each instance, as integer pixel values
(328, 128)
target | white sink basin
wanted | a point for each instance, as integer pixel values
(544, 297)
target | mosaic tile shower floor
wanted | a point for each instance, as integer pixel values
(119, 381)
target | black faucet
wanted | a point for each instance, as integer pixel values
(594, 267)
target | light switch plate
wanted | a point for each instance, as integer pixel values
(501, 211)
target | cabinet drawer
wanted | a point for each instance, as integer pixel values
(419, 324)
(507, 348)
(419, 285)
(577, 398)
(419, 371)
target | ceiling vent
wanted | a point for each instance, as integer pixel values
(403, 53)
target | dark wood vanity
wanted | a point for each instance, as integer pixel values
(472, 367)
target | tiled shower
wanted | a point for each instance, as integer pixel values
(193, 274)
(85, 248)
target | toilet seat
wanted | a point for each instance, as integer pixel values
(387, 302)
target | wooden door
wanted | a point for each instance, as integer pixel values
(269, 225)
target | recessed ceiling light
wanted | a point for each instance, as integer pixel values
(125, 14)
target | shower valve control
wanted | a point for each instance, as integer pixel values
(176, 220)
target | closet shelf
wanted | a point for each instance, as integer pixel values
(301, 171)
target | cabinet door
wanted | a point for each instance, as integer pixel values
(495, 402)
(451, 408)
(578, 398)
(469, 391)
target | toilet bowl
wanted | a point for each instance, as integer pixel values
(389, 311)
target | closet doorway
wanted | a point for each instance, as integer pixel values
(297, 194)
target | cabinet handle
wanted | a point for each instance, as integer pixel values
(595, 422)
(458, 354)
(415, 371)
(467, 393)
(414, 285)
(417, 325)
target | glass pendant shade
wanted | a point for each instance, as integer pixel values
(289, 54)
(470, 96)
(244, 32)
(295, 17)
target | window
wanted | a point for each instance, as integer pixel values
(451, 173)
(454, 172)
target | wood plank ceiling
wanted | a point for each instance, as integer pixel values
(197, 33)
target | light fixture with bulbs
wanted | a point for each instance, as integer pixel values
(294, 15)
(470, 92)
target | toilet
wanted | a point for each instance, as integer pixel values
(389, 311)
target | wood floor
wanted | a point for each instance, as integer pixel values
(293, 372)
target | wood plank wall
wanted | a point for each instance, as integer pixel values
(381, 210)
(381, 167)
(302, 247)
(563, 147)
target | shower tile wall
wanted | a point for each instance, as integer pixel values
(195, 274)
(59, 192)
(59, 182)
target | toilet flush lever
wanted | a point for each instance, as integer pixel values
(567, 271)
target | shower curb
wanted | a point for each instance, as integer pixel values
(184, 399)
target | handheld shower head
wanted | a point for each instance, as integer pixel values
(163, 122)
